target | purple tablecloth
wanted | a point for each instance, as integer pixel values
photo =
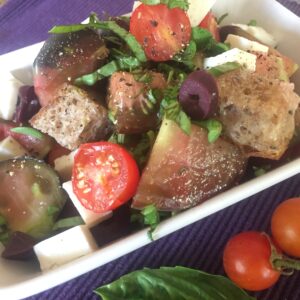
(200, 245)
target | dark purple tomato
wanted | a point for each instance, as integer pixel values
(28, 104)
(63, 58)
(198, 95)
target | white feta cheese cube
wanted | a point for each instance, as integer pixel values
(10, 148)
(244, 44)
(247, 60)
(198, 9)
(9, 87)
(259, 33)
(63, 165)
(65, 247)
(90, 218)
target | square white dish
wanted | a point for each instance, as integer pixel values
(24, 279)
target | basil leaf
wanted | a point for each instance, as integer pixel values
(131, 41)
(187, 56)
(122, 64)
(252, 23)
(224, 68)
(183, 4)
(220, 20)
(206, 43)
(68, 222)
(28, 131)
(169, 283)
(213, 127)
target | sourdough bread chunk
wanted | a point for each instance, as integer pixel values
(257, 113)
(72, 118)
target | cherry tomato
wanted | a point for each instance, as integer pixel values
(285, 225)
(161, 31)
(104, 176)
(210, 23)
(246, 261)
(56, 152)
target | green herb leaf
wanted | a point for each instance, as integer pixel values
(68, 222)
(259, 171)
(151, 218)
(94, 23)
(220, 20)
(183, 4)
(206, 43)
(171, 283)
(187, 56)
(28, 131)
(121, 64)
(252, 23)
(222, 69)
(213, 127)
(2, 221)
(52, 210)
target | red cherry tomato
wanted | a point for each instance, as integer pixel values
(285, 225)
(161, 31)
(246, 261)
(104, 176)
(210, 23)
(56, 152)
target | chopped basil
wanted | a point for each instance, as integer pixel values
(220, 20)
(224, 68)
(169, 283)
(186, 57)
(68, 222)
(28, 131)
(2, 220)
(213, 127)
(259, 171)
(142, 76)
(252, 23)
(94, 23)
(122, 64)
(183, 4)
(206, 43)
(52, 210)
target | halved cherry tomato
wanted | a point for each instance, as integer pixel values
(246, 261)
(210, 23)
(104, 176)
(285, 226)
(161, 31)
(56, 152)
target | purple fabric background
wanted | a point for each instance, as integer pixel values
(200, 245)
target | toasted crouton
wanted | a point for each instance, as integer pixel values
(257, 113)
(72, 118)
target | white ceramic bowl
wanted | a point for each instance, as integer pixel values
(23, 279)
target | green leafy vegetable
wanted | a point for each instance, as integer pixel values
(206, 43)
(220, 20)
(94, 23)
(28, 131)
(252, 23)
(213, 127)
(151, 218)
(68, 222)
(224, 68)
(169, 283)
(52, 210)
(122, 64)
(183, 4)
(187, 56)
(259, 171)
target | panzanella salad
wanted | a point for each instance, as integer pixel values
(136, 118)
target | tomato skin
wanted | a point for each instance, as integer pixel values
(210, 23)
(285, 226)
(246, 261)
(104, 177)
(161, 31)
